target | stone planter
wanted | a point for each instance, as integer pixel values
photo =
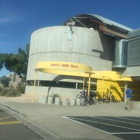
(78, 102)
(72, 102)
(83, 101)
(57, 100)
(50, 100)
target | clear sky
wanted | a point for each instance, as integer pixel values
(20, 18)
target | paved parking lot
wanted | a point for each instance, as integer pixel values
(50, 121)
(127, 128)
(12, 129)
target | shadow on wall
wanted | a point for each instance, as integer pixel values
(117, 92)
(116, 88)
(57, 78)
(107, 47)
(101, 94)
(61, 77)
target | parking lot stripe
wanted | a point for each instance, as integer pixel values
(129, 119)
(106, 124)
(10, 122)
(115, 120)
(5, 118)
(125, 133)
(69, 118)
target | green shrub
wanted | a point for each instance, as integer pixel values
(21, 87)
(12, 93)
(3, 91)
(54, 95)
(5, 81)
(9, 92)
(1, 88)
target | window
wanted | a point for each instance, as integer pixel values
(53, 84)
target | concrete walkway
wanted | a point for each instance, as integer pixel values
(52, 124)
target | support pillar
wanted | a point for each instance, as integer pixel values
(34, 89)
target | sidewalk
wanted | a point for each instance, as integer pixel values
(51, 118)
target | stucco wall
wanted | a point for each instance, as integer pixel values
(86, 46)
(132, 71)
(47, 91)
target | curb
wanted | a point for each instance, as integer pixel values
(14, 110)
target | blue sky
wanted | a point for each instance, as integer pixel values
(19, 18)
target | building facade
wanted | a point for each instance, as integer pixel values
(86, 39)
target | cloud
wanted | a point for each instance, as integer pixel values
(10, 15)
(9, 20)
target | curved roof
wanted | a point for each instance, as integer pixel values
(134, 33)
(103, 20)
(112, 23)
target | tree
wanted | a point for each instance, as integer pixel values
(5, 81)
(23, 56)
(1, 60)
(16, 62)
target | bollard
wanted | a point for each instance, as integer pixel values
(78, 102)
(57, 100)
(72, 102)
(50, 100)
(65, 101)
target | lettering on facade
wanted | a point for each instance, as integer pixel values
(65, 65)
(55, 65)
(74, 66)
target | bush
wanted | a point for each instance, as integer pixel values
(21, 87)
(54, 95)
(3, 91)
(12, 93)
(5, 81)
(9, 92)
(1, 88)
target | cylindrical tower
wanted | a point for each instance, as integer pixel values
(62, 43)
(120, 58)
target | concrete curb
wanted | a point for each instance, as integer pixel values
(14, 110)
(46, 134)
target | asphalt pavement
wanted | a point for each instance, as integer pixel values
(13, 129)
(51, 121)
(127, 128)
